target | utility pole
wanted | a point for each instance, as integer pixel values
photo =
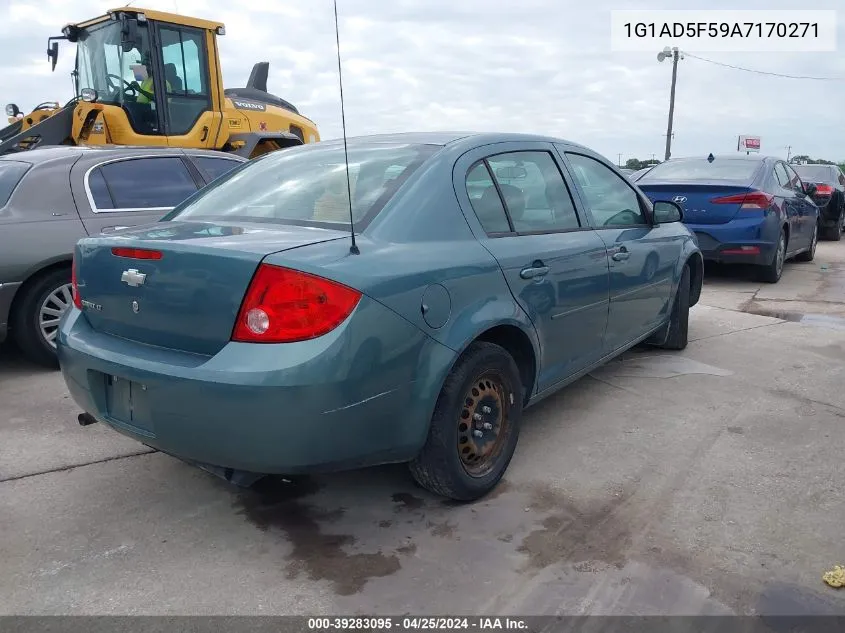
(619, 162)
(674, 53)
(788, 152)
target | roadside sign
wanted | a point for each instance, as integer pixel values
(748, 144)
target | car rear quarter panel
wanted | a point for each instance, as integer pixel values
(40, 225)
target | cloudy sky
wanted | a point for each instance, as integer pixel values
(541, 66)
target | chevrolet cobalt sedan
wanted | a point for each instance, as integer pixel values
(256, 329)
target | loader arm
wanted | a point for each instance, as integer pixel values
(55, 130)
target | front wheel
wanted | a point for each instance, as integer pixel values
(810, 254)
(475, 426)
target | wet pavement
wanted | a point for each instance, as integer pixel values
(701, 482)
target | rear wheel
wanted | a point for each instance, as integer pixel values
(475, 426)
(810, 254)
(35, 322)
(771, 273)
(834, 233)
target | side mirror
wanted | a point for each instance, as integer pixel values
(810, 188)
(53, 54)
(666, 212)
(128, 34)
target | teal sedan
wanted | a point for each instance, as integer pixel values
(403, 300)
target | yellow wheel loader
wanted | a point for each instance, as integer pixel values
(153, 78)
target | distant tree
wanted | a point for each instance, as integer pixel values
(637, 164)
(804, 159)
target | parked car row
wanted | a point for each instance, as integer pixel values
(52, 197)
(250, 330)
(747, 209)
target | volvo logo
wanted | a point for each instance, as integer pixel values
(135, 307)
(133, 278)
(679, 199)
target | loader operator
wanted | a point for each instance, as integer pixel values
(146, 90)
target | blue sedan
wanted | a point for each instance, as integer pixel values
(743, 209)
(248, 333)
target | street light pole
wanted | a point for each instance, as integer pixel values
(674, 53)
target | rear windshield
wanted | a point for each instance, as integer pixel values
(11, 173)
(307, 185)
(815, 173)
(701, 169)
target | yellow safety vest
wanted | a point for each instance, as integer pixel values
(147, 85)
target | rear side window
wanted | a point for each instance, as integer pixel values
(683, 170)
(11, 173)
(213, 168)
(145, 183)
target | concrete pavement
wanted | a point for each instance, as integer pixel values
(707, 481)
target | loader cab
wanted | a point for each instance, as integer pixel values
(156, 72)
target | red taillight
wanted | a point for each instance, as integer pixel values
(283, 306)
(750, 200)
(77, 300)
(135, 253)
(824, 190)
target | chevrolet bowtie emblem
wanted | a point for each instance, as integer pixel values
(133, 277)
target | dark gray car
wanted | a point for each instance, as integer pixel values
(52, 197)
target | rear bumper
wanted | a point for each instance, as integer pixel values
(362, 395)
(722, 243)
(7, 295)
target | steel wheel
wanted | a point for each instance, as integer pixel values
(51, 311)
(482, 424)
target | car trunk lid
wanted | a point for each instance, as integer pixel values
(178, 285)
(697, 200)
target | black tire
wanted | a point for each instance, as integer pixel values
(26, 325)
(834, 233)
(810, 255)
(441, 465)
(678, 334)
(773, 271)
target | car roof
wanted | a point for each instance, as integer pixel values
(755, 158)
(71, 152)
(446, 138)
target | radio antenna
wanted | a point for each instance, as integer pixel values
(354, 247)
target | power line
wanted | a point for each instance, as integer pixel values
(763, 72)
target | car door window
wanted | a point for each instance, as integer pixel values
(794, 180)
(612, 201)
(781, 176)
(147, 183)
(536, 196)
(485, 200)
(213, 168)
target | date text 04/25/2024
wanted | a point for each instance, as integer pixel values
(421, 623)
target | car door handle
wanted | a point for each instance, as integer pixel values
(533, 271)
(621, 254)
(109, 229)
